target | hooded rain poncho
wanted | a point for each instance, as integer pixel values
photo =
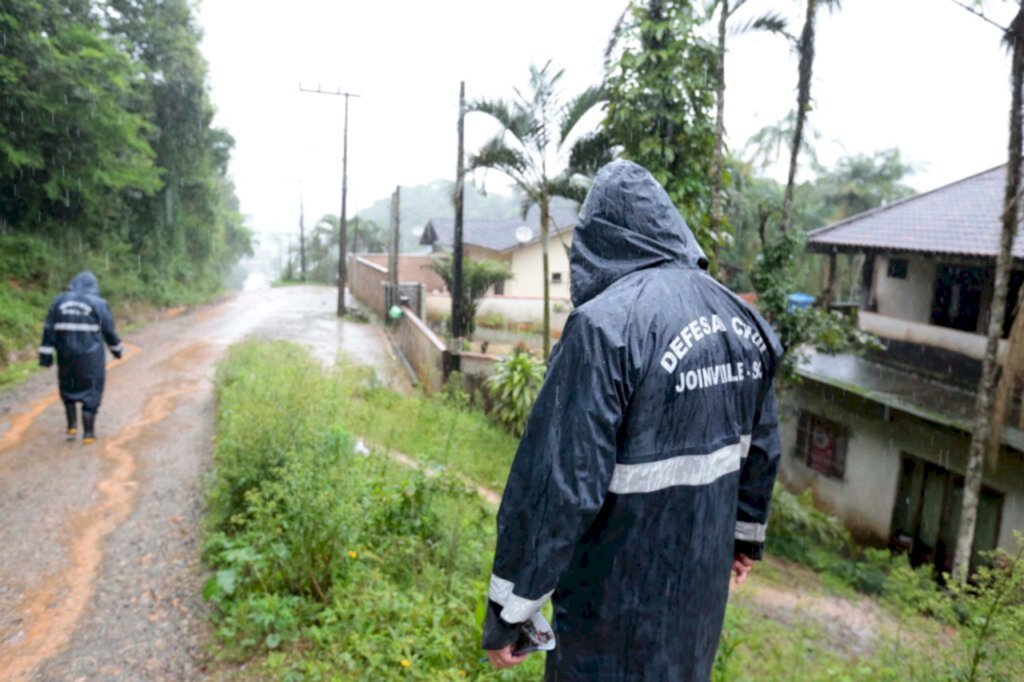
(78, 324)
(649, 456)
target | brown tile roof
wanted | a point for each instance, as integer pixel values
(962, 218)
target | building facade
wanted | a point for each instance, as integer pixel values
(882, 439)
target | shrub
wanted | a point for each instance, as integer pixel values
(514, 387)
(331, 565)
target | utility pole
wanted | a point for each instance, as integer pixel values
(302, 237)
(393, 247)
(458, 324)
(342, 219)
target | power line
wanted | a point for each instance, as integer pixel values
(980, 15)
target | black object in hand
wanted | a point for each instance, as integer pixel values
(530, 639)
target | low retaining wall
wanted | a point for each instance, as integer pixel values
(411, 268)
(424, 352)
(368, 282)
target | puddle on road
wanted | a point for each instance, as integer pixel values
(52, 609)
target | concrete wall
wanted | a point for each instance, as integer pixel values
(477, 364)
(411, 268)
(366, 281)
(865, 499)
(906, 299)
(424, 352)
(527, 264)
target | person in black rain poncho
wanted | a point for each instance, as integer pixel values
(78, 324)
(647, 465)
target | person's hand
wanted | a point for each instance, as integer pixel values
(116, 353)
(504, 658)
(741, 566)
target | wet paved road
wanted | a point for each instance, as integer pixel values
(99, 547)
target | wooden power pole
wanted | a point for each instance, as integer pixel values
(393, 246)
(458, 324)
(342, 219)
(302, 237)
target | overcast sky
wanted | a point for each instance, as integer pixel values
(923, 75)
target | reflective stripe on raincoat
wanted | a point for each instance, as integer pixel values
(77, 325)
(649, 457)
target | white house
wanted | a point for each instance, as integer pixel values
(516, 242)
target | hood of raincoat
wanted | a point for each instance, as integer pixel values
(85, 283)
(627, 223)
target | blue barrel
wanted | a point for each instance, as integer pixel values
(800, 300)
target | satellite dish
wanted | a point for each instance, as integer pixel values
(524, 233)
(418, 230)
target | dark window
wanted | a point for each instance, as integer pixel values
(499, 288)
(957, 301)
(926, 516)
(821, 444)
(556, 278)
(898, 268)
(1012, 296)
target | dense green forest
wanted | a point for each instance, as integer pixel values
(108, 159)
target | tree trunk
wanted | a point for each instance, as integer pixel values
(1004, 261)
(803, 103)
(715, 212)
(544, 215)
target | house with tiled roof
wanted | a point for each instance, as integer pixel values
(882, 439)
(517, 243)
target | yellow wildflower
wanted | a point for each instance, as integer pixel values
(406, 663)
(352, 555)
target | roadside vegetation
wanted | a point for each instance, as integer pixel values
(112, 163)
(328, 564)
(331, 564)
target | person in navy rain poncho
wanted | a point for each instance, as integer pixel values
(77, 325)
(647, 465)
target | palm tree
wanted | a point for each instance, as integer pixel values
(981, 434)
(770, 22)
(536, 126)
(805, 48)
(477, 277)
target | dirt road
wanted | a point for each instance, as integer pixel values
(99, 547)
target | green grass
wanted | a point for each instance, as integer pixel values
(330, 565)
(327, 564)
(428, 428)
(15, 372)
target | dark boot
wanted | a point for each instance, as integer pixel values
(71, 410)
(89, 426)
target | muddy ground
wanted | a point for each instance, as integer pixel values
(99, 544)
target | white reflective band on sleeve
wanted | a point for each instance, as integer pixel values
(516, 608)
(118, 348)
(750, 531)
(650, 477)
(76, 327)
(744, 446)
(46, 350)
